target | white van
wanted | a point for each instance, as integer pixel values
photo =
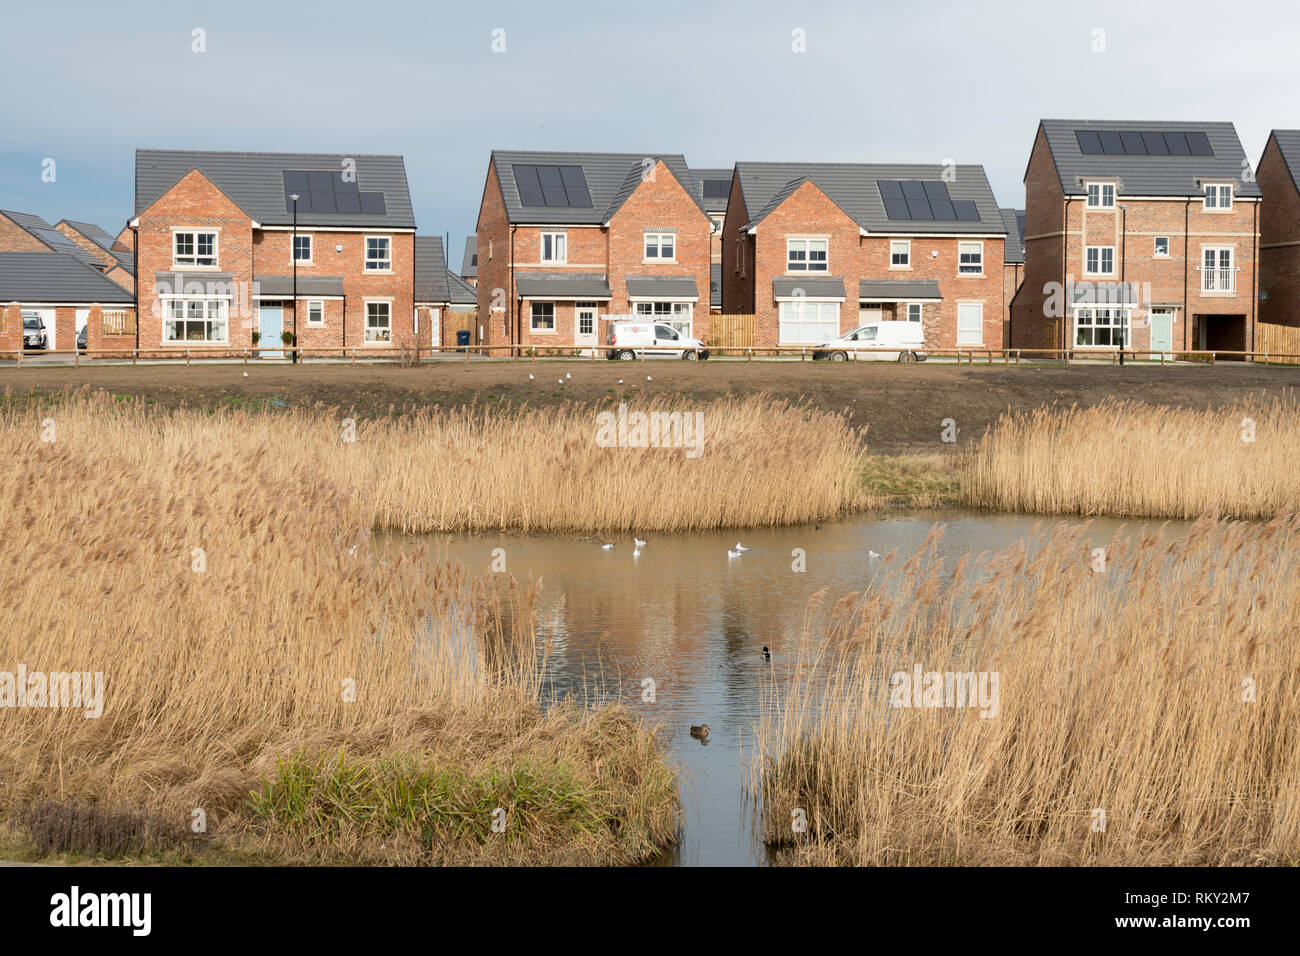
(907, 338)
(628, 340)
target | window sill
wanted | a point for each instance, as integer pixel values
(368, 344)
(177, 268)
(658, 262)
(542, 331)
(377, 272)
(970, 275)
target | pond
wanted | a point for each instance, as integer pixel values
(693, 618)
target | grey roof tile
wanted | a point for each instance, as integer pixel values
(35, 277)
(54, 240)
(820, 288)
(1148, 175)
(1013, 250)
(462, 293)
(669, 287)
(255, 183)
(713, 204)
(469, 264)
(611, 178)
(430, 270)
(899, 290)
(1288, 144)
(562, 285)
(94, 233)
(852, 187)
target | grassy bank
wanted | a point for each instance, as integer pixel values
(1145, 713)
(262, 667)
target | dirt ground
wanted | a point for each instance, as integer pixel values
(902, 406)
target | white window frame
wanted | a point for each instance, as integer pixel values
(559, 243)
(963, 248)
(311, 249)
(791, 316)
(378, 265)
(1116, 316)
(1217, 270)
(532, 319)
(678, 315)
(1103, 192)
(1220, 192)
(316, 304)
(907, 308)
(1101, 259)
(792, 243)
(900, 247)
(192, 261)
(718, 223)
(656, 239)
(367, 336)
(214, 310)
(966, 337)
(1155, 248)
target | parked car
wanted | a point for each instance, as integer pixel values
(627, 340)
(81, 337)
(908, 338)
(34, 336)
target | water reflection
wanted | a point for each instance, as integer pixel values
(694, 621)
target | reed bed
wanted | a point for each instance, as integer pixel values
(257, 655)
(1146, 714)
(1128, 458)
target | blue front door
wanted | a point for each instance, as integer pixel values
(1162, 333)
(270, 322)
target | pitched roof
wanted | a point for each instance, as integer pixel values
(37, 277)
(462, 293)
(610, 178)
(53, 240)
(255, 183)
(854, 188)
(1147, 175)
(1013, 250)
(469, 263)
(899, 290)
(1288, 144)
(94, 233)
(125, 258)
(430, 270)
(712, 203)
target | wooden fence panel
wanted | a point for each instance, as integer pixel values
(1278, 339)
(732, 332)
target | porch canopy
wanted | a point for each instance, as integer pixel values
(567, 286)
(314, 287)
(1104, 293)
(899, 290)
(808, 288)
(662, 289)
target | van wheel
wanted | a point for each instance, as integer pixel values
(690, 355)
(626, 355)
(906, 357)
(839, 357)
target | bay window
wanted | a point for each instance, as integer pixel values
(804, 322)
(1106, 327)
(677, 315)
(196, 320)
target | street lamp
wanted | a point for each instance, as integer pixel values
(293, 253)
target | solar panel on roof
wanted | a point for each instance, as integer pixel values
(717, 188)
(1177, 143)
(1155, 144)
(1111, 144)
(1089, 142)
(326, 191)
(923, 200)
(1133, 144)
(1200, 144)
(552, 185)
(1145, 143)
(347, 202)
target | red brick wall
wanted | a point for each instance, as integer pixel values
(494, 264)
(1031, 327)
(1279, 266)
(88, 245)
(13, 238)
(737, 282)
(1013, 274)
(97, 339)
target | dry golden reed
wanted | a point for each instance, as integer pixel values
(1128, 458)
(218, 570)
(1146, 713)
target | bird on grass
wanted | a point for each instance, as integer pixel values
(873, 554)
(767, 655)
(700, 731)
(649, 379)
(530, 376)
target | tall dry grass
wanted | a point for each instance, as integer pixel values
(291, 645)
(1121, 691)
(1128, 458)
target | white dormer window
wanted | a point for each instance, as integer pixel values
(1101, 195)
(1218, 197)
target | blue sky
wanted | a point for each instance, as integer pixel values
(86, 84)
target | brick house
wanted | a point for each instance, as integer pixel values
(1013, 264)
(219, 237)
(1279, 229)
(1142, 233)
(566, 240)
(116, 260)
(66, 295)
(813, 250)
(715, 189)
